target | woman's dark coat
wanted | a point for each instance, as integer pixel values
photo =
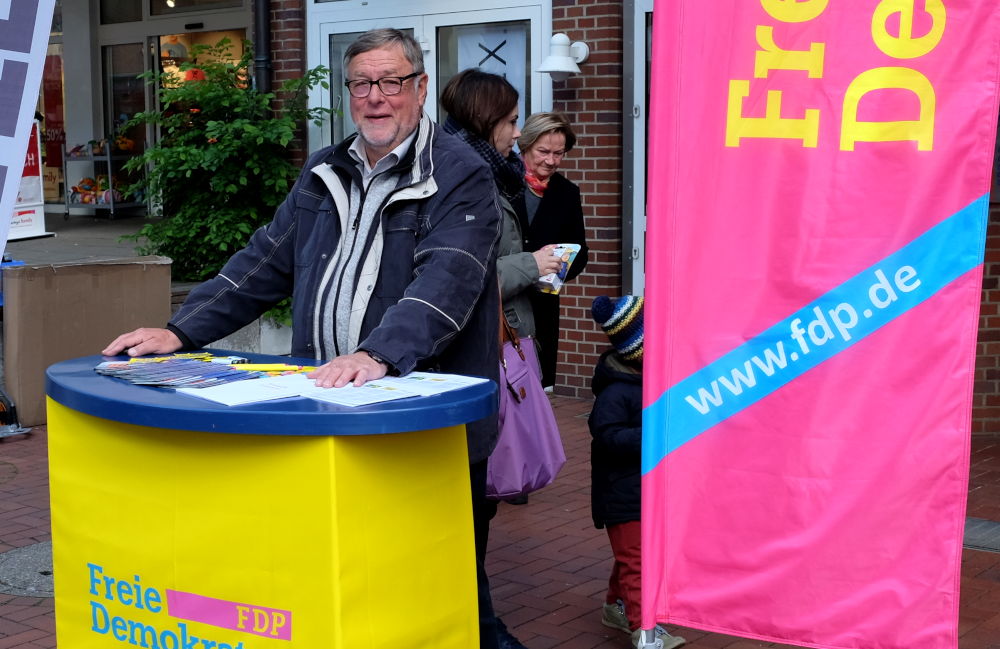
(559, 220)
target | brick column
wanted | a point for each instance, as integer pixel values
(986, 397)
(288, 56)
(593, 103)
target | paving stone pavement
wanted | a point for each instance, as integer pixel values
(548, 564)
(80, 238)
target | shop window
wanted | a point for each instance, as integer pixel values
(502, 48)
(51, 109)
(176, 49)
(168, 7)
(120, 11)
(57, 27)
(53, 123)
(125, 93)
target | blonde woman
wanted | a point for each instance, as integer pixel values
(549, 211)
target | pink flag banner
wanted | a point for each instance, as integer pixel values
(819, 177)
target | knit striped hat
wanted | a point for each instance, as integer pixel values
(621, 319)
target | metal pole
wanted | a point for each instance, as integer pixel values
(262, 45)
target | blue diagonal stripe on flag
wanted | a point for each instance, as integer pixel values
(818, 331)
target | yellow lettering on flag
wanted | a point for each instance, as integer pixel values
(771, 57)
(920, 130)
(791, 11)
(772, 125)
(905, 46)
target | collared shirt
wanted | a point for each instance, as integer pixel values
(356, 266)
(357, 151)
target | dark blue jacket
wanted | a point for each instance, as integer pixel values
(616, 449)
(434, 302)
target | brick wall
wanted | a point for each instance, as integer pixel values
(986, 397)
(288, 56)
(593, 103)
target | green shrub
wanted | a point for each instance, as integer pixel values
(220, 165)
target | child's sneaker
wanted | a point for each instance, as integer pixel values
(663, 639)
(613, 616)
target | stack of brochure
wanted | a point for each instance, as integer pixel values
(173, 372)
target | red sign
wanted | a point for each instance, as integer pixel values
(52, 98)
(33, 158)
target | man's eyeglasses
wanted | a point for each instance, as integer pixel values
(361, 88)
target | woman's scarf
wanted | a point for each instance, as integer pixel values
(508, 173)
(536, 184)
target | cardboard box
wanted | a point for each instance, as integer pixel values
(55, 312)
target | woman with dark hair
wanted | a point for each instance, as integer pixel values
(482, 111)
(550, 211)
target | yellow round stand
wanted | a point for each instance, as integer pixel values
(182, 524)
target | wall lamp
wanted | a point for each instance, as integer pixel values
(563, 57)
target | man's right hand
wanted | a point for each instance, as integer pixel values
(144, 341)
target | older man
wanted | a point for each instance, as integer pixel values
(387, 245)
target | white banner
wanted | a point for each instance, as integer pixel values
(24, 38)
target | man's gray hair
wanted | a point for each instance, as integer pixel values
(374, 39)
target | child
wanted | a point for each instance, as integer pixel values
(616, 426)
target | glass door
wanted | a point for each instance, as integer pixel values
(125, 93)
(493, 42)
(502, 41)
(334, 41)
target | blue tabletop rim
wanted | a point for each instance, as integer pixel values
(75, 385)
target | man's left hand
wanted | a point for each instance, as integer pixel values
(358, 368)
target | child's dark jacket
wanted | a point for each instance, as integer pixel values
(616, 426)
